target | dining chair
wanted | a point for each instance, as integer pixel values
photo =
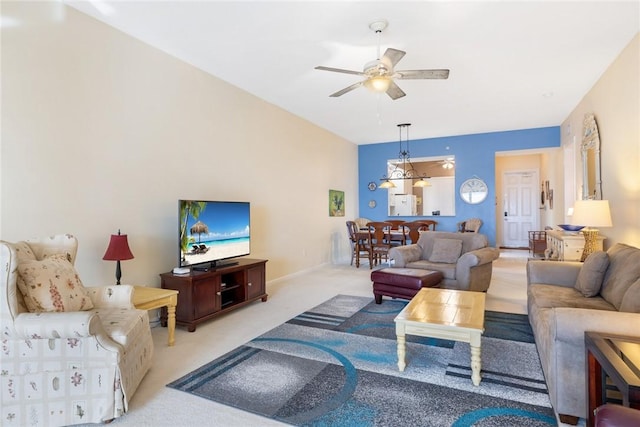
(351, 232)
(398, 235)
(396, 223)
(414, 228)
(380, 240)
(431, 225)
(359, 243)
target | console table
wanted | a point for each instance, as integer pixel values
(617, 359)
(566, 246)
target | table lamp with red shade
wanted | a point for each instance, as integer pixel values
(118, 250)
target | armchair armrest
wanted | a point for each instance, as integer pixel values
(75, 324)
(553, 272)
(111, 296)
(69, 325)
(403, 255)
(478, 257)
(472, 259)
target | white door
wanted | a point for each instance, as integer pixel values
(520, 210)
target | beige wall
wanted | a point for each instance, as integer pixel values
(615, 102)
(101, 132)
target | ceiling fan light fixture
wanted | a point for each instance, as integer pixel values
(378, 83)
(379, 75)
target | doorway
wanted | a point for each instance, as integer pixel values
(520, 212)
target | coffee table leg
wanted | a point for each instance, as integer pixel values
(475, 365)
(401, 353)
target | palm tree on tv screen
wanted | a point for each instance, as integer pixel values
(188, 208)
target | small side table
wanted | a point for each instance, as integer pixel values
(615, 357)
(150, 298)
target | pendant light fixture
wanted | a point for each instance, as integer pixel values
(404, 168)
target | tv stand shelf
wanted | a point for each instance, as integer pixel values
(206, 294)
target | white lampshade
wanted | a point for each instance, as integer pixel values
(591, 213)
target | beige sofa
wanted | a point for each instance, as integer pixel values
(465, 259)
(564, 300)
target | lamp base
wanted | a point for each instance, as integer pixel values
(118, 272)
(590, 242)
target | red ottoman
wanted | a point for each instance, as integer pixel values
(403, 282)
(609, 415)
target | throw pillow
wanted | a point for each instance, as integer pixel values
(631, 300)
(52, 284)
(446, 250)
(592, 273)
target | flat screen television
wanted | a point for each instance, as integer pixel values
(211, 233)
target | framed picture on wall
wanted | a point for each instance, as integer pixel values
(336, 203)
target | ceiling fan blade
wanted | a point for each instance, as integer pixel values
(340, 70)
(394, 91)
(394, 56)
(421, 74)
(346, 89)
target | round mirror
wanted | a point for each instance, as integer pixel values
(473, 191)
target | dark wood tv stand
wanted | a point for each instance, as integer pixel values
(207, 294)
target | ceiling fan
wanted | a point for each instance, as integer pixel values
(448, 163)
(380, 74)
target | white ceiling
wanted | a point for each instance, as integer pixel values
(514, 65)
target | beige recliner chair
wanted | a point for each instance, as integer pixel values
(65, 367)
(465, 259)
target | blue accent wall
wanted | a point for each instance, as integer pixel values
(475, 156)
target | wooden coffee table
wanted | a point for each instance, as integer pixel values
(446, 314)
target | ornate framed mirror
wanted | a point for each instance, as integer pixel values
(590, 148)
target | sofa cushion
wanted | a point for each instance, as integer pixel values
(631, 300)
(123, 325)
(470, 241)
(52, 284)
(623, 271)
(551, 296)
(592, 273)
(447, 270)
(446, 250)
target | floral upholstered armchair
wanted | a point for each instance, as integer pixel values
(68, 354)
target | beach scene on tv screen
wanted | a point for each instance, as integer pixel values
(213, 230)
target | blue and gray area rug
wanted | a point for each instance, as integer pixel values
(336, 365)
